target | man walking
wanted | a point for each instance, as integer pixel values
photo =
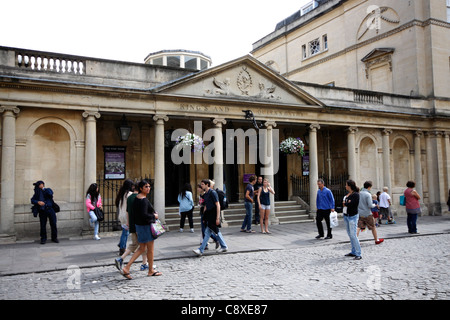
(325, 204)
(365, 211)
(248, 201)
(211, 217)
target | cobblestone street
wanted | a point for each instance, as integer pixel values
(401, 268)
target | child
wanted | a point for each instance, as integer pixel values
(375, 209)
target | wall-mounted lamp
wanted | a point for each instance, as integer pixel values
(250, 116)
(124, 130)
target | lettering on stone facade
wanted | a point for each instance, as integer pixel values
(203, 108)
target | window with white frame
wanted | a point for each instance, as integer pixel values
(314, 47)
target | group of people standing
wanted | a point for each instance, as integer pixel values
(361, 209)
(257, 190)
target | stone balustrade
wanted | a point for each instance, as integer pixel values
(41, 61)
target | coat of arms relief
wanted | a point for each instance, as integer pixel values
(244, 83)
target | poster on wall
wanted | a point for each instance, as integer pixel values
(114, 162)
(305, 164)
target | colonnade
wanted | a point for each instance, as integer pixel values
(437, 161)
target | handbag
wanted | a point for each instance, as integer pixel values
(157, 229)
(402, 200)
(55, 207)
(99, 214)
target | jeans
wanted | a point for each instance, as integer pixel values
(190, 218)
(123, 238)
(248, 216)
(213, 236)
(94, 221)
(351, 223)
(208, 233)
(411, 221)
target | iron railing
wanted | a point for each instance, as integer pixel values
(108, 190)
(300, 187)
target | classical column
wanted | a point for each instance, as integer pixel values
(90, 145)
(159, 179)
(8, 168)
(90, 154)
(269, 167)
(432, 176)
(218, 152)
(313, 166)
(443, 194)
(418, 163)
(447, 160)
(351, 147)
(386, 159)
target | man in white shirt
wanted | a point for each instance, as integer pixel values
(385, 203)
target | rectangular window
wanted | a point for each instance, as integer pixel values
(325, 42)
(304, 55)
(190, 62)
(173, 61)
(314, 47)
(158, 61)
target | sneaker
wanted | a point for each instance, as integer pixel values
(96, 237)
(319, 236)
(379, 241)
(357, 258)
(197, 252)
(181, 230)
(192, 230)
(222, 250)
(119, 263)
(144, 267)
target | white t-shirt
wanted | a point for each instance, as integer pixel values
(384, 197)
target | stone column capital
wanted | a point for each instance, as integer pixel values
(161, 118)
(352, 130)
(13, 109)
(87, 114)
(386, 132)
(219, 121)
(314, 127)
(271, 124)
(418, 133)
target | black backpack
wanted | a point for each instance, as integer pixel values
(222, 199)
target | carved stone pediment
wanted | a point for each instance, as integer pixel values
(243, 79)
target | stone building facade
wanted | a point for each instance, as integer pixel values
(60, 114)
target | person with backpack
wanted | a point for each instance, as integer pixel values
(248, 201)
(186, 206)
(211, 218)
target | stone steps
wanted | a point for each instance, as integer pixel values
(285, 211)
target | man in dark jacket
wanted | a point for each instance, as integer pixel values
(42, 201)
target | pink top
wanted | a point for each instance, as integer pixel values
(411, 201)
(89, 205)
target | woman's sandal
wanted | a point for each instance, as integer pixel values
(155, 274)
(126, 275)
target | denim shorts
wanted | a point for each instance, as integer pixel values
(144, 233)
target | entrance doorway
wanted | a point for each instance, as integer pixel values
(175, 175)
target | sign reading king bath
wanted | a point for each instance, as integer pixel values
(268, 141)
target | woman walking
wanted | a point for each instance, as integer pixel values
(144, 215)
(264, 205)
(351, 218)
(412, 206)
(121, 203)
(93, 200)
(186, 206)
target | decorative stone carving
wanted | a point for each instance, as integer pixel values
(244, 83)
(374, 18)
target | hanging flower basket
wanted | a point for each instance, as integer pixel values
(292, 146)
(191, 140)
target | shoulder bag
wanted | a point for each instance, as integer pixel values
(157, 229)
